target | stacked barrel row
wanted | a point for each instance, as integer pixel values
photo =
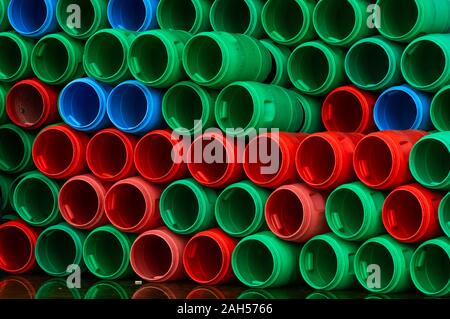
(274, 141)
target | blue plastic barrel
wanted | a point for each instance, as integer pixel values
(133, 15)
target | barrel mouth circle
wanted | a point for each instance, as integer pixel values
(126, 206)
(158, 265)
(73, 101)
(440, 112)
(375, 252)
(179, 15)
(205, 259)
(133, 15)
(373, 75)
(394, 28)
(27, 104)
(429, 268)
(238, 211)
(403, 214)
(106, 253)
(340, 30)
(16, 249)
(444, 214)
(185, 103)
(56, 249)
(309, 68)
(14, 57)
(18, 285)
(203, 58)
(374, 161)
(29, 17)
(36, 200)
(320, 169)
(430, 162)
(105, 56)
(397, 109)
(81, 202)
(109, 155)
(91, 11)
(424, 77)
(233, 16)
(285, 21)
(15, 152)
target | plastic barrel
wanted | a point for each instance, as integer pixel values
(15, 52)
(15, 149)
(4, 21)
(3, 93)
(439, 111)
(135, 15)
(312, 115)
(280, 55)
(444, 214)
(5, 190)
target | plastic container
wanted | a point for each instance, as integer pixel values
(280, 55)
(243, 107)
(15, 54)
(435, 74)
(17, 242)
(107, 289)
(239, 209)
(216, 59)
(132, 205)
(207, 257)
(81, 202)
(155, 57)
(324, 160)
(188, 108)
(4, 22)
(237, 16)
(289, 22)
(187, 15)
(35, 199)
(60, 152)
(82, 105)
(439, 111)
(429, 161)
(353, 212)
(168, 166)
(312, 113)
(382, 72)
(136, 15)
(15, 149)
(405, 20)
(393, 259)
(187, 207)
(110, 155)
(410, 213)
(106, 253)
(262, 260)
(296, 213)
(444, 214)
(31, 104)
(316, 68)
(57, 59)
(381, 158)
(165, 263)
(429, 267)
(5, 189)
(326, 263)
(403, 108)
(94, 17)
(135, 108)
(269, 159)
(33, 19)
(349, 109)
(342, 22)
(58, 247)
(106, 55)
(3, 92)
(214, 160)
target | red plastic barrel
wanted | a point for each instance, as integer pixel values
(269, 159)
(207, 257)
(215, 160)
(132, 205)
(296, 213)
(325, 160)
(110, 155)
(159, 157)
(349, 109)
(60, 152)
(32, 104)
(410, 213)
(381, 158)
(81, 202)
(157, 255)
